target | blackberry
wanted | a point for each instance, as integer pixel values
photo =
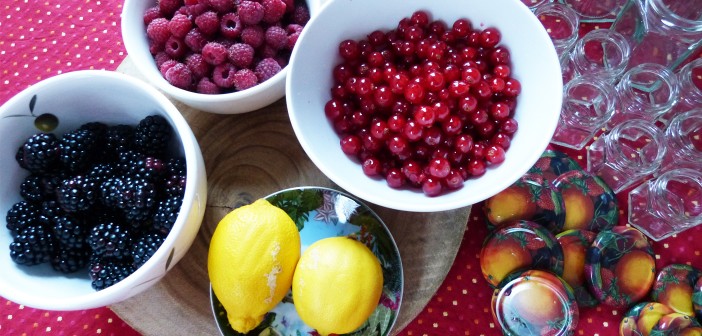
(148, 168)
(70, 260)
(138, 199)
(110, 239)
(176, 166)
(145, 247)
(127, 158)
(51, 208)
(33, 245)
(50, 181)
(111, 192)
(20, 216)
(152, 135)
(119, 138)
(70, 231)
(40, 153)
(31, 188)
(166, 214)
(19, 157)
(99, 129)
(105, 272)
(175, 185)
(76, 194)
(77, 150)
(100, 172)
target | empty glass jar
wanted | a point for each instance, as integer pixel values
(602, 53)
(683, 139)
(690, 97)
(596, 10)
(664, 32)
(588, 103)
(647, 91)
(629, 152)
(562, 24)
(668, 204)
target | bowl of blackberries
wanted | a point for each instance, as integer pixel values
(103, 190)
(218, 56)
(421, 105)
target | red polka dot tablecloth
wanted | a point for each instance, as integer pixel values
(40, 39)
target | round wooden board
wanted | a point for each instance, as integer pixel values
(249, 156)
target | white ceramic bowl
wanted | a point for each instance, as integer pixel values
(534, 64)
(76, 98)
(137, 45)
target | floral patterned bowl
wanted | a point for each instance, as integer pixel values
(322, 213)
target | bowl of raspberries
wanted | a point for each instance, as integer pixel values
(219, 56)
(103, 190)
(423, 105)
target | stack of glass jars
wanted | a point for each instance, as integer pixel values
(633, 98)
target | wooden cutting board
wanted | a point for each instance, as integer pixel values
(249, 156)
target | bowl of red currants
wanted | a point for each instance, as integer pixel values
(424, 105)
(103, 190)
(218, 56)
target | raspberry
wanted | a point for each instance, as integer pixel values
(244, 79)
(214, 53)
(208, 22)
(250, 12)
(266, 69)
(301, 15)
(266, 51)
(158, 31)
(155, 48)
(230, 26)
(195, 40)
(197, 65)
(166, 66)
(241, 55)
(150, 14)
(276, 37)
(180, 25)
(273, 10)
(168, 7)
(292, 40)
(175, 47)
(160, 58)
(289, 5)
(293, 28)
(222, 6)
(253, 36)
(223, 75)
(282, 60)
(206, 86)
(196, 9)
(179, 76)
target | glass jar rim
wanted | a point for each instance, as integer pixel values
(672, 19)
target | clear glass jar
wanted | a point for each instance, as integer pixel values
(588, 103)
(533, 4)
(690, 82)
(668, 204)
(601, 52)
(683, 139)
(562, 24)
(647, 91)
(672, 30)
(629, 152)
(597, 10)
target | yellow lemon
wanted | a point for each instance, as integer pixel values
(251, 261)
(337, 285)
